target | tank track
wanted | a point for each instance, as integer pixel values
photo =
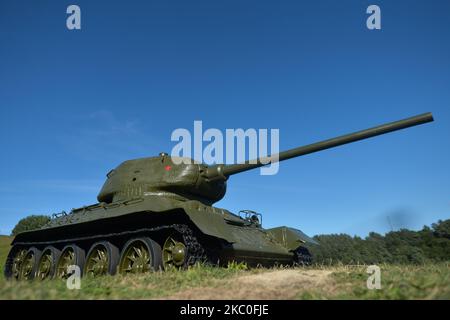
(196, 252)
(302, 257)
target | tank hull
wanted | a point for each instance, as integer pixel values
(222, 236)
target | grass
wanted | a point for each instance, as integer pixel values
(149, 286)
(5, 242)
(429, 281)
(398, 282)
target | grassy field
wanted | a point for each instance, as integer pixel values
(4, 248)
(431, 281)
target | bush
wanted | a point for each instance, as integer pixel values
(30, 223)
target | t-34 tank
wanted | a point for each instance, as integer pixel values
(154, 214)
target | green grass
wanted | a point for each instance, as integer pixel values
(398, 282)
(5, 242)
(429, 281)
(148, 286)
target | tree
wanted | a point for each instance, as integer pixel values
(30, 223)
(402, 246)
(442, 229)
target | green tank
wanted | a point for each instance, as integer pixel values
(153, 214)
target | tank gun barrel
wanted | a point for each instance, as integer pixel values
(224, 171)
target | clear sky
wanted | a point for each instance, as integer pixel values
(74, 104)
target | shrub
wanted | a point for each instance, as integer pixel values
(30, 223)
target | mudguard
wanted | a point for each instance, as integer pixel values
(291, 238)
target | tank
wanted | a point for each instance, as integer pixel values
(156, 214)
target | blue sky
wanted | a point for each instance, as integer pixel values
(74, 104)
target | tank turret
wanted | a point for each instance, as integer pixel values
(207, 184)
(163, 177)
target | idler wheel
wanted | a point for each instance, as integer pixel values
(15, 259)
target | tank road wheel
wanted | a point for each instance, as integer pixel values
(101, 259)
(29, 264)
(14, 261)
(140, 255)
(175, 253)
(47, 263)
(71, 255)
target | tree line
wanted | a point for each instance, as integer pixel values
(431, 244)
